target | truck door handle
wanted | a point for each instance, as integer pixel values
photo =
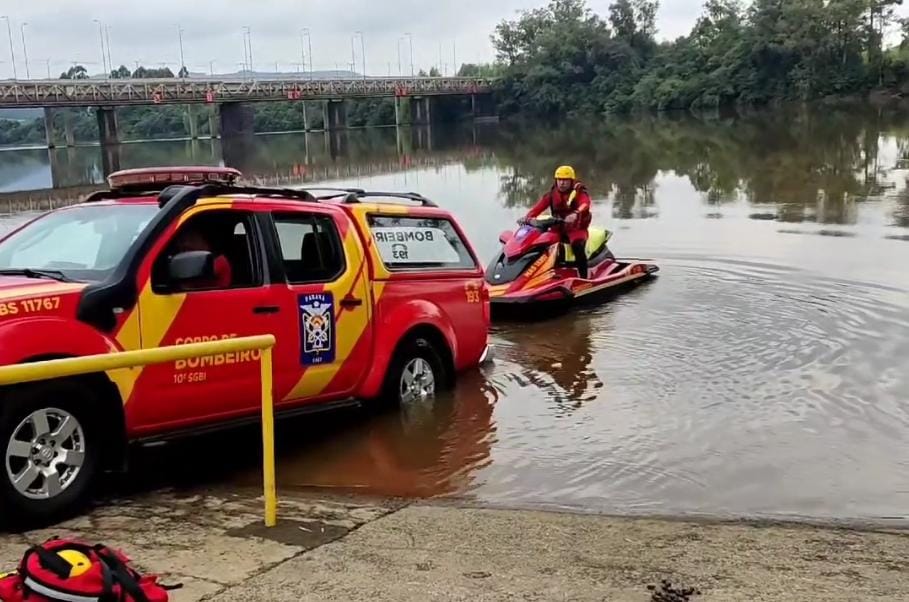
(348, 302)
(266, 309)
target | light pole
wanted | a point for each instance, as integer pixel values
(362, 50)
(182, 58)
(101, 36)
(245, 54)
(110, 63)
(48, 68)
(302, 50)
(353, 54)
(12, 53)
(211, 68)
(25, 49)
(309, 47)
(249, 36)
(400, 73)
(410, 37)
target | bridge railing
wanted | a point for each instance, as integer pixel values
(92, 364)
(120, 92)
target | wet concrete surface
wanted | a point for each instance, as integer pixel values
(340, 548)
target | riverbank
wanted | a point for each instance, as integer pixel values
(352, 549)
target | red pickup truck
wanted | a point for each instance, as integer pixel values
(369, 295)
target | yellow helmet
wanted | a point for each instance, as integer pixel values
(565, 172)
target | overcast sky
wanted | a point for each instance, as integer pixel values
(63, 32)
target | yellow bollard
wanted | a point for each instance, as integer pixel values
(268, 440)
(74, 366)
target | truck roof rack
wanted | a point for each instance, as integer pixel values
(166, 190)
(357, 195)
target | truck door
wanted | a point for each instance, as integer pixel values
(237, 303)
(325, 341)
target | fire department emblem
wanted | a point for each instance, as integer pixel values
(317, 328)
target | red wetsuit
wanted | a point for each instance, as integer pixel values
(562, 204)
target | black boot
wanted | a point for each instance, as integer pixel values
(580, 257)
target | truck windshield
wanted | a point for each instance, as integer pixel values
(80, 243)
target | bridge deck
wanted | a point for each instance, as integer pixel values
(125, 92)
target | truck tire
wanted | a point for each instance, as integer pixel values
(416, 374)
(50, 451)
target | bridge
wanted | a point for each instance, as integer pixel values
(414, 98)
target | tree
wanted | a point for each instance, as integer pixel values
(880, 15)
(434, 72)
(121, 73)
(145, 73)
(184, 72)
(75, 72)
(487, 70)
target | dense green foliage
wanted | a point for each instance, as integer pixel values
(21, 132)
(564, 59)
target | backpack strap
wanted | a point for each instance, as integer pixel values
(121, 573)
(49, 560)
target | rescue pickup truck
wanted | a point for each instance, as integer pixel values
(370, 296)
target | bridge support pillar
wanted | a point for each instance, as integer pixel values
(305, 117)
(403, 111)
(50, 117)
(237, 120)
(213, 122)
(422, 110)
(192, 125)
(110, 158)
(483, 108)
(69, 135)
(335, 115)
(107, 126)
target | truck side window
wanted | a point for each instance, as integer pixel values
(311, 248)
(225, 234)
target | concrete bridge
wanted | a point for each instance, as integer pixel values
(414, 98)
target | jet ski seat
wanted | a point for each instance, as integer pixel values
(596, 242)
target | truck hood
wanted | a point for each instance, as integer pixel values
(18, 287)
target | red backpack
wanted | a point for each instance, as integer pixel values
(73, 571)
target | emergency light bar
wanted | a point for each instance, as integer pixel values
(160, 177)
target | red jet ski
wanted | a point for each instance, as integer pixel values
(534, 266)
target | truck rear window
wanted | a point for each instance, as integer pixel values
(419, 243)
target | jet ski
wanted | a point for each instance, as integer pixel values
(534, 266)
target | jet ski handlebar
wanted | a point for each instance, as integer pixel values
(541, 223)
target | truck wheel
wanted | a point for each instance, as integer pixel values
(416, 374)
(50, 450)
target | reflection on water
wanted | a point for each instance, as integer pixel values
(433, 450)
(763, 373)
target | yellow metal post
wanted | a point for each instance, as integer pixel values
(75, 366)
(268, 440)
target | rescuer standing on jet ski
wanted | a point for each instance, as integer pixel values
(568, 199)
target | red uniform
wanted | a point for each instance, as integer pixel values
(562, 204)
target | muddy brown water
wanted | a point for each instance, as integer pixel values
(764, 373)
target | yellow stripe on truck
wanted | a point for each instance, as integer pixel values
(161, 311)
(349, 328)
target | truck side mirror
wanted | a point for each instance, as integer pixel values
(190, 266)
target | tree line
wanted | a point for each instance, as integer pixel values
(563, 59)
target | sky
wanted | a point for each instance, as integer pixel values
(59, 33)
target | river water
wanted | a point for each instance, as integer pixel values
(764, 373)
